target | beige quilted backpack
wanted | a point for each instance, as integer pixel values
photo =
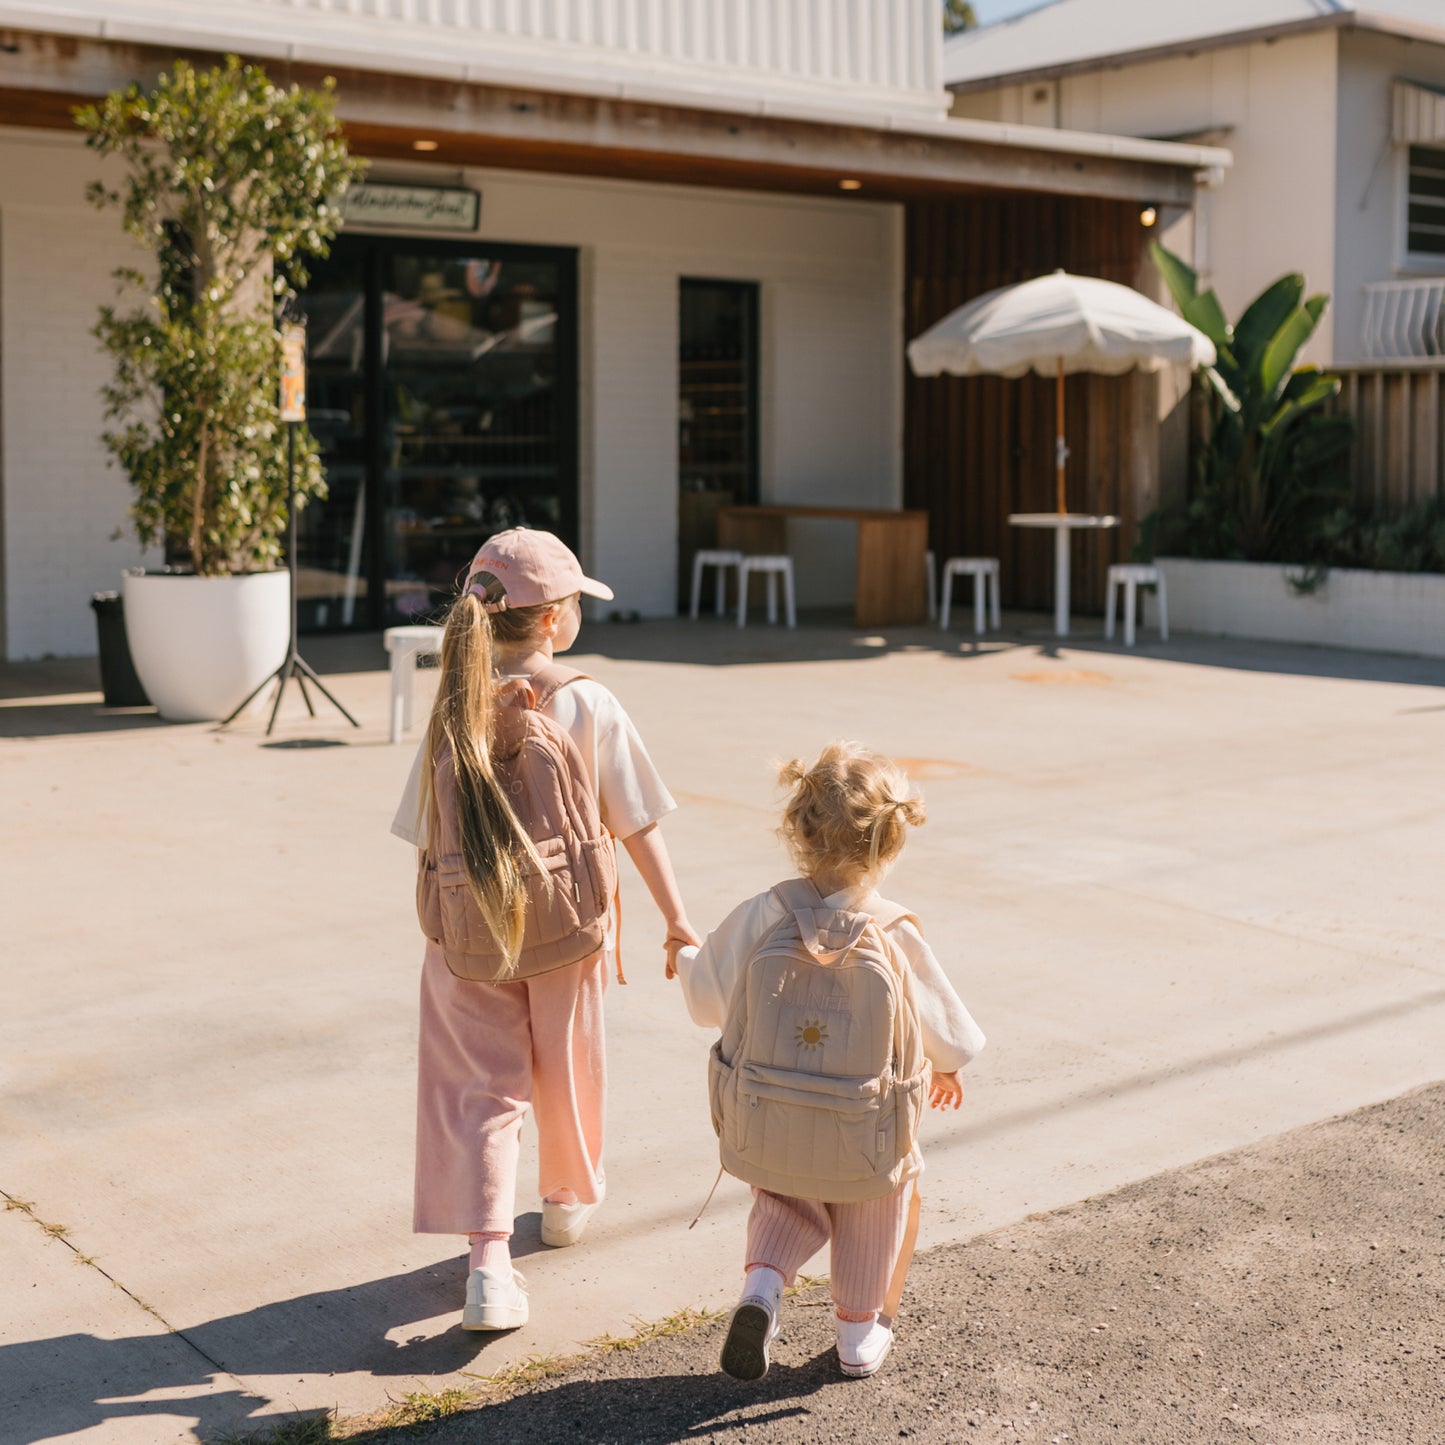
(542, 770)
(818, 1082)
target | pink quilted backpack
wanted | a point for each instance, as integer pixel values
(539, 765)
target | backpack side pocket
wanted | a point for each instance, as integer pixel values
(730, 1111)
(428, 900)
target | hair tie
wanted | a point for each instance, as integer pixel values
(478, 589)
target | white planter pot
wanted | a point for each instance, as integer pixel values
(200, 644)
(1373, 611)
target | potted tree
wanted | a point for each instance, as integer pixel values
(230, 182)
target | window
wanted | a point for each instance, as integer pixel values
(1425, 211)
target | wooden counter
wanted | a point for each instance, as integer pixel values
(891, 587)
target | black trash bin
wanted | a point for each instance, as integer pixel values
(118, 680)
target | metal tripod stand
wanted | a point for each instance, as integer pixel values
(293, 665)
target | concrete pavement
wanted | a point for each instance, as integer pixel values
(1190, 892)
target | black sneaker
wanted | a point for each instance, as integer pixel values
(753, 1327)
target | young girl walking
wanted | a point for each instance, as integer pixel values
(844, 823)
(489, 1051)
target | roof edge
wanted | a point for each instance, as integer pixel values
(1339, 20)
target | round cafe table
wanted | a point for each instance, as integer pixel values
(1062, 524)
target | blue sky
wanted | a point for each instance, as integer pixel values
(990, 10)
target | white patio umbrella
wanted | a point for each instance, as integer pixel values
(1054, 325)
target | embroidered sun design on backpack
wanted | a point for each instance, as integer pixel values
(811, 1035)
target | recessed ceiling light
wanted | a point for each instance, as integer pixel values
(425, 145)
(849, 184)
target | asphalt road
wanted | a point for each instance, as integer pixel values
(1289, 1293)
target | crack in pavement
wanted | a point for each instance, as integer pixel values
(60, 1234)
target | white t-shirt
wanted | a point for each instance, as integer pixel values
(630, 791)
(951, 1038)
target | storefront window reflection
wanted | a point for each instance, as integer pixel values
(470, 362)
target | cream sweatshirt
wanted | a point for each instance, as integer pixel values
(708, 974)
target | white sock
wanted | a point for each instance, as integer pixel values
(764, 1282)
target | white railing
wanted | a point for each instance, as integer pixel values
(1405, 321)
(863, 59)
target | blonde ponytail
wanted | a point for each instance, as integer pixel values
(464, 719)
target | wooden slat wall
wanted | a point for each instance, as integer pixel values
(978, 448)
(1399, 434)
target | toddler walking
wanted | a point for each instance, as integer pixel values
(833, 1010)
(521, 929)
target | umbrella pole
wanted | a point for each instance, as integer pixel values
(1061, 451)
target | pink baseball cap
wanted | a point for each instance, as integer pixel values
(534, 567)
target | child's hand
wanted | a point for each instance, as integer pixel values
(947, 1092)
(679, 935)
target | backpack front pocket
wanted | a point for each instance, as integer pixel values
(814, 1127)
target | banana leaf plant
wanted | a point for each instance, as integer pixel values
(1267, 469)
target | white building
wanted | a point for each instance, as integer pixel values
(660, 257)
(1335, 115)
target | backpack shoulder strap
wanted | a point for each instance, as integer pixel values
(548, 681)
(797, 893)
(887, 914)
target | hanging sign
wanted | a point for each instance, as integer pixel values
(293, 372)
(432, 208)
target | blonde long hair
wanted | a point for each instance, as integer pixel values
(848, 812)
(464, 718)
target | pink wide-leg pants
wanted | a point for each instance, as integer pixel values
(487, 1053)
(784, 1233)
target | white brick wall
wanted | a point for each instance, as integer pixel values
(831, 370)
(62, 503)
(1373, 611)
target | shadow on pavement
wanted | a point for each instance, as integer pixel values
(62, 696)
(69, 1383)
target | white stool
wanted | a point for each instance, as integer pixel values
(722, 560)
(773, 566)
(984, 571)
(1133, 575)
(930, 581)
(406, 644)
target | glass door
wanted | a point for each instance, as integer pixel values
(476, 405)
(443, 385)
(717, 411)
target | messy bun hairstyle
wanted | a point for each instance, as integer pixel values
(849, 812)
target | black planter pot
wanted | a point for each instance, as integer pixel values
(118, 681)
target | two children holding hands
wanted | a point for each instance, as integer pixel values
(837, 1022)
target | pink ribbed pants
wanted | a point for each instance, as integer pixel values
(784, 1233)
(487, 1053)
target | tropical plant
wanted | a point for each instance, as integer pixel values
(1411, 539)
(1267, 469)
(231, 182)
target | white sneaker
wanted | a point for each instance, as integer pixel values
(496, 1300)
(754, 1326)
(863, 1345)
(563, 1224)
